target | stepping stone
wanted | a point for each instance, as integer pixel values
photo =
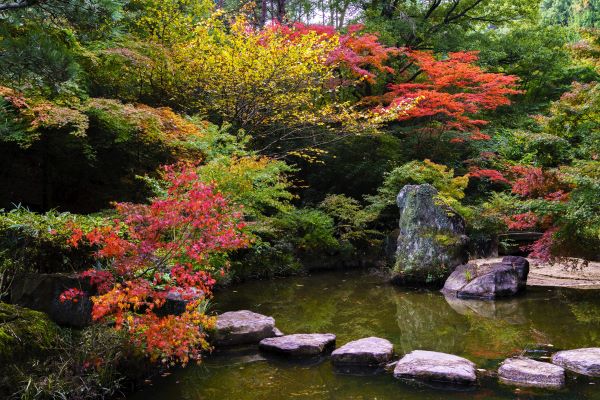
(437, 367)
(299, 345)
(367, 351)
(527, 372)
(243, 327)
(583, 361)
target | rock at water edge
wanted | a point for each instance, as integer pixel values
(243, 327)
(431, 240)
(488, 281)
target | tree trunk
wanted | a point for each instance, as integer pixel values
(281, 11)
(263, 13)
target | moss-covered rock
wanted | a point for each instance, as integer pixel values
(42, 292)
(24, 333)
(431, 241)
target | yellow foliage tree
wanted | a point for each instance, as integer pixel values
(167, 21)
(282, 85)
(279, 88)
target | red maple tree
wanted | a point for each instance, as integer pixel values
(358, 51)
(165, 250)
(486, 173)
(452, 90)
(537, 184)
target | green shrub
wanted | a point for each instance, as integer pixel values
(309, 230)
(285, 243)
(32, 242)
(94, 363)
(83, 156)
(352, 222)
(537, 148)
(450, 188)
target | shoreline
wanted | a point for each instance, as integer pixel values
(546, 275)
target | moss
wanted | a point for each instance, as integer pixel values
(447, 240)
(428, 268)
(24, 332)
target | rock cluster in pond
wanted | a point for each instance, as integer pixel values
(299, 344)
(243, 327)
(369, 351)
(436, 367)
(431, 240)
(247, 327)
(527, 372)
(582, 361)
(488, 281)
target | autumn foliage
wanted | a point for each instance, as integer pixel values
(360, 52)
(452, 90)
(489, 174)
(159, 252)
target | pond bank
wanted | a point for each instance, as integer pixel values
(354, 305)
(544, 274)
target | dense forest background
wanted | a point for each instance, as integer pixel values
(161, 147)
(312, 115)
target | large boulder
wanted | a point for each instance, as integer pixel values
(436, 367)
(431, 241)
(243, 327)
(41, 292)
(300, 344)
(26, 337)
(522, 371)
(488, 281)
(369, 351)
(583, 361)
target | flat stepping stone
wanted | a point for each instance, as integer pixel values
(243, 327)
(437, 367)
(300, 344)
(527, 372)
(367, 351)
(583, 361)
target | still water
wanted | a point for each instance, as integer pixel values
(354, 305)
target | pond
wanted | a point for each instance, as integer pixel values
(356, 304)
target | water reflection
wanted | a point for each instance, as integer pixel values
(425, 321)
(509, 310)
(354, 305)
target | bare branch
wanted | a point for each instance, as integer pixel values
(464, 12)
(435, 4)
